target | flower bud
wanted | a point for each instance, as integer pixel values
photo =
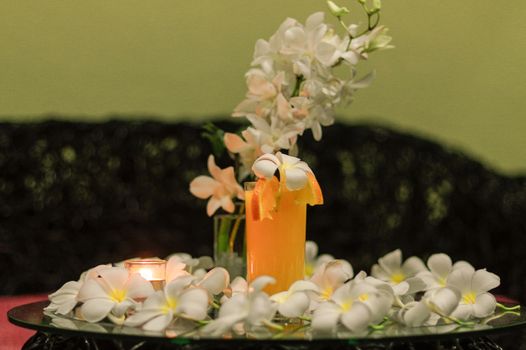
(337, 10)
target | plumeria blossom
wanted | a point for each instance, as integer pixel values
(293, 172)
(220, 188)
(312, 260)
(356, 305)
(440, 267)
(251, 309)
(296, 300)
(473, 287)
(401, 276)
(330, 276)
(64, 300)
(176, 300)
(111, 294)
(181, 264)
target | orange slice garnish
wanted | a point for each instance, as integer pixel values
(311, 194)
(264, 198)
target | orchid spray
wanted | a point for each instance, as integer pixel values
(292, 87)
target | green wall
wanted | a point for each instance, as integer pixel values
(457, 75)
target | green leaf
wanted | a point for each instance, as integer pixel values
(216, 136)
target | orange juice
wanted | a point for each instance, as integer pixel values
(276, 247)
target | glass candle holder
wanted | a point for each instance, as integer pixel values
(276, 247)
(153, 270)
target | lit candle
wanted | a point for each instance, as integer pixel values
(153, 270)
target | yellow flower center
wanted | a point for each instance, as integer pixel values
(469, 298)
(309, 270)
(118, 295)
(364, 297)
(442, 281)
(326, 293)
(347, 306)
(397, 277)
(171, 304)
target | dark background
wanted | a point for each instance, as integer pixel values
(74, 195)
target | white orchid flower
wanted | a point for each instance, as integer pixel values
(177, 299)
(220, 188)
(473, 287)
(111, 294)
(293, 172)
(440, 267)
(312, 260)
(251, 309)
(356, 305)
(330, 276)
(295, 301)
(401, 276)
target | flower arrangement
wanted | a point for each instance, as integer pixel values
(330, 297)
(292, 87)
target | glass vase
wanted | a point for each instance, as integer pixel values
(229, 242)
(276, 247)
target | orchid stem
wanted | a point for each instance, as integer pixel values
(508, 308)
(272, 325)
(305, 318)
(233, 233)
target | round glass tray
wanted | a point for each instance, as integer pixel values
(32, 316)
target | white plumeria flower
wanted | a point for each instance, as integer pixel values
(295, 301)
(401, 276)
(438, 303)
(251, 309)
(312, 260)
(214, 281)
(176, 300)
(112, 294)
(238, 286)
(64, 300)
(440, 267)
(221, 188)
(181, 264)
(293, 172)
(473, 287)
(330, 276)
(356, 305)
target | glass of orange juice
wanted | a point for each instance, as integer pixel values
(276, 246)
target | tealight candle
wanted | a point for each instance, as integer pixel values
(153, 270)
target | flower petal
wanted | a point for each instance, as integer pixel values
(484, 281)
(141, 317)
(417, 315)
(358, 317)
(212, 205)
(91, 289)
(484, 305)
(266, 165)
(159, 323)
(412, 266)
(261, 282)
(215, 281)
(440, 265)
(234, 143)
(203, 186)
(391, 262)
(461, 279)
(193, 303)
(213, 169)
(96, 309)
(311, 250)
(115, 277)
(444, 300)
(138, 287)
(295, 305)
(295, 179)
(326, 317)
